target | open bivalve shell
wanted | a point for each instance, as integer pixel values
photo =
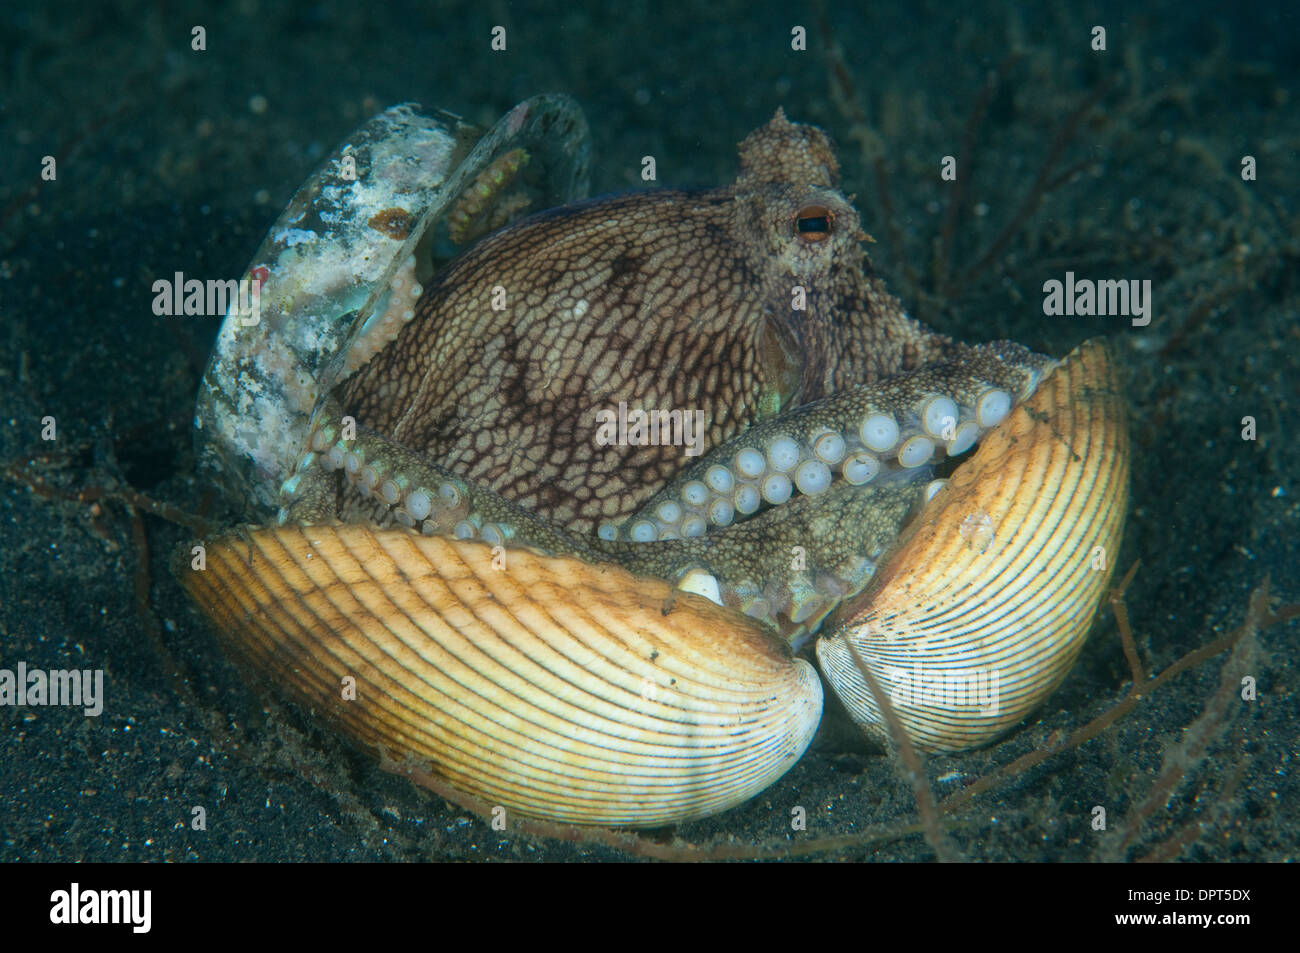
(551, 687)
(988, 598)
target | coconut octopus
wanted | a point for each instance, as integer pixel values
(565, 513)
(823, 403)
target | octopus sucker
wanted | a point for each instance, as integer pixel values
(465, 219)
(394, 310)
(871, 432)
(608, 631)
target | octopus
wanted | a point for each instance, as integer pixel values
(558, 519)
(751, 313)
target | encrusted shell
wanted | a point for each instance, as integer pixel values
(552, 687)
(327, 268)
(984, 606)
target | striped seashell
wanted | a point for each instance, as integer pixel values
(554, 688)
(985, 603)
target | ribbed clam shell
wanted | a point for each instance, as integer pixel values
(552, 687)
(983, 607)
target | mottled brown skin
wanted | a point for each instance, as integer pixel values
(688, 305)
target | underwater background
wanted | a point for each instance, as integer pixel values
(1118, 164)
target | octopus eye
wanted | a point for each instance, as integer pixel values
(813, 223)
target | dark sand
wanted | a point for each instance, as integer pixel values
(164, 166)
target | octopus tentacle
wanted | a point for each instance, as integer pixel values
(875, 433)
(394, 311)
(391, 484)
(788, 567)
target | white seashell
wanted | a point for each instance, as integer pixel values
(554, 688)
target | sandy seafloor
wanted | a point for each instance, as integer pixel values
(167, 161)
